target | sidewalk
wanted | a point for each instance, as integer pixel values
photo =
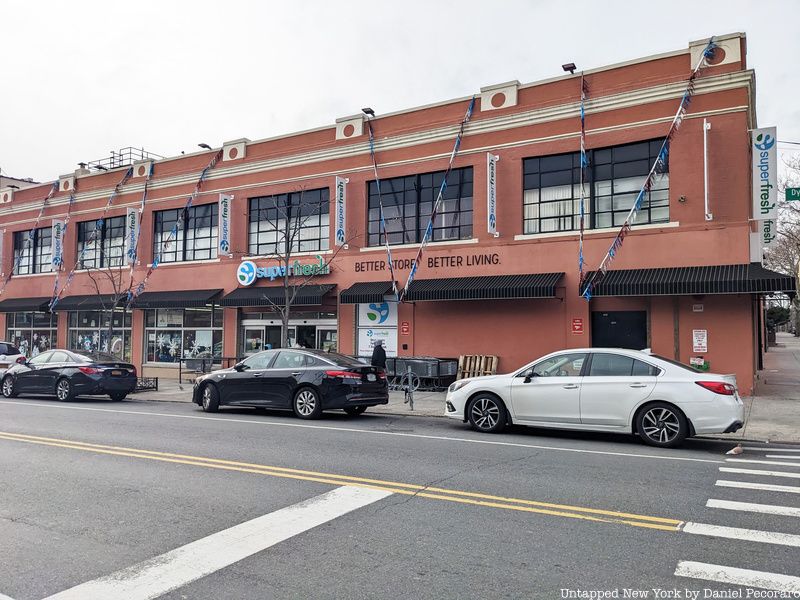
(772, 415)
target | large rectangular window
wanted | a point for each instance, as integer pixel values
(196, 239)
(32, 332)
(615, 175)
(33, 256)
(89, 332)
(408, 203)
(173, 334)
(101, 244)
(299, 219)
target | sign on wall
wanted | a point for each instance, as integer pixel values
(377, 314)
(340, 217)
(57, 257)
(1, 249)
(765, 173)
(577, 326)
(248, 272)
(491, 192)
(368, 336)
(131, 231)
(224, 224)
(700, 340)
(377, 321)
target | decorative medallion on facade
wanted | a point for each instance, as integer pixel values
(501, 95)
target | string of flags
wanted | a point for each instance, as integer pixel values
(437, 203)
(29, 239)
(583, 178)
(380, 208)
(657, 170)
(91, 240)
(134, 293)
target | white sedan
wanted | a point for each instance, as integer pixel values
(602, 389)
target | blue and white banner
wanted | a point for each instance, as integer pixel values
(224, 224)
(131, 233)
(340, 218)
(57, 256)
(491, 192)
(765, 173)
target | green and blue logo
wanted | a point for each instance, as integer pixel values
(378, 313)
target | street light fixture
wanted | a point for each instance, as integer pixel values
(569, 67)
(205, 146)
(368, 111)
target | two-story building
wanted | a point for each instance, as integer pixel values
(686, 282)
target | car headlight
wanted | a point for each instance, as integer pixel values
(454, 387)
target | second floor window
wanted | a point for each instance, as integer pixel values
(101, 245)
(34, 255)
(196, 238)
(298, 221)
(408, 203)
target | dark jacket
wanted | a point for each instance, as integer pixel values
(378, 357)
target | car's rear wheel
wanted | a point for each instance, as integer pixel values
(487, 413)
(210, 398)
(661, 424)
(354, 411)
(118, 396)
(9, 390)
(307, 404)
(64, 390)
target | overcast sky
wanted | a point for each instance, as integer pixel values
(82, 78)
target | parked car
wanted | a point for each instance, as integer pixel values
(66, 374)
(9, 355)
(602, 389)
(305, 381)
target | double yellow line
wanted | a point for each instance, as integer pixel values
(408, 489)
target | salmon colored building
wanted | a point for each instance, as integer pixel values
(685, 283)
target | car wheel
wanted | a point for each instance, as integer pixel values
(354, 411)
(487, 413)
(9, 391)
(661, 425)
(210, 398)
(306, 404)
(64, 390)
(117, 396)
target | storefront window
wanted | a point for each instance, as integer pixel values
(174, 334)
(101, 243)
(90, 331)
(32, 332)
(196, 239)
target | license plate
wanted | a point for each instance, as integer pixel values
(371, 377)
(115, 373)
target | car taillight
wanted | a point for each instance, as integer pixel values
(718, 387)
(343, 374)
(90, 370)
(133, 370)
(381, 375)
(21, 360)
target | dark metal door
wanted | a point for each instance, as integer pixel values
(620, 329)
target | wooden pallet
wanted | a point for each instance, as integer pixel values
(475, 365)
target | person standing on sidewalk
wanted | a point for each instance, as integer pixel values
(378, 355)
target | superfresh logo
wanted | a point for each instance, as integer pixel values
(340, 211)
(764, 141)
(763, 144)
(224, 211)
(378, 313)
(492, 194)
(131, 235)
(246, 273)
(58, 232)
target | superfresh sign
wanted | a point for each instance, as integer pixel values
(765, 174)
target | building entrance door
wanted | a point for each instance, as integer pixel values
(620, 329)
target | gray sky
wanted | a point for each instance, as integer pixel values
(82, 78)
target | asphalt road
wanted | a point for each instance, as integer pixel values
(145, 500)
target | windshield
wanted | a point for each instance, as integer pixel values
(677, 364)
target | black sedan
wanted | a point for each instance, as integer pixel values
(67, 374)
(306, 381)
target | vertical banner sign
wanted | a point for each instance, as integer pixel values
(491, 192)
(224, 224)
(131, 230)
(341, 218)
(1, 250)
(57, 257)
(765, 174)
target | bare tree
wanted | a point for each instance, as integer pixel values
(111, 284)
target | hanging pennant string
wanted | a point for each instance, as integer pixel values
(64, 233)
(133, 293)
(91, 240)
(658, 169)
(434, 211)
(29, 238)
(380, 208)
(132, 252)
(584, 168)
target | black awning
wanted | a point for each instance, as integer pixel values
(182, 299)
(676, 281)
(365, 292)
(24, 305)
(88, 302)
(493, 287)
(307, 295)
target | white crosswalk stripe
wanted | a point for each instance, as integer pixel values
(743, 577)
(789, 456)
(759, 472)
(766, 487)
(767, 449)
(769, 509)
(747, 535)
(763, 462)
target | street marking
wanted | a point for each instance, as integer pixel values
(743, 577)
(748, 535)
(759, 472)
(4, 597)
(764, 462)
(463, 497)
(366, 431)
(161, 574)
(768, 509)
(766, 487)
(768, 449)
(789, 456)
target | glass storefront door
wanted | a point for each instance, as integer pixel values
(253, 340)
(257, 334)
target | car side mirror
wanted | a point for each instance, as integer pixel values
(529, 375)
(239, 367)
(22, 360)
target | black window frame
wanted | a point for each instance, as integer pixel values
(413, 197)
(265, 214)
(102, 254)
(35, 258)
(187, 235)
